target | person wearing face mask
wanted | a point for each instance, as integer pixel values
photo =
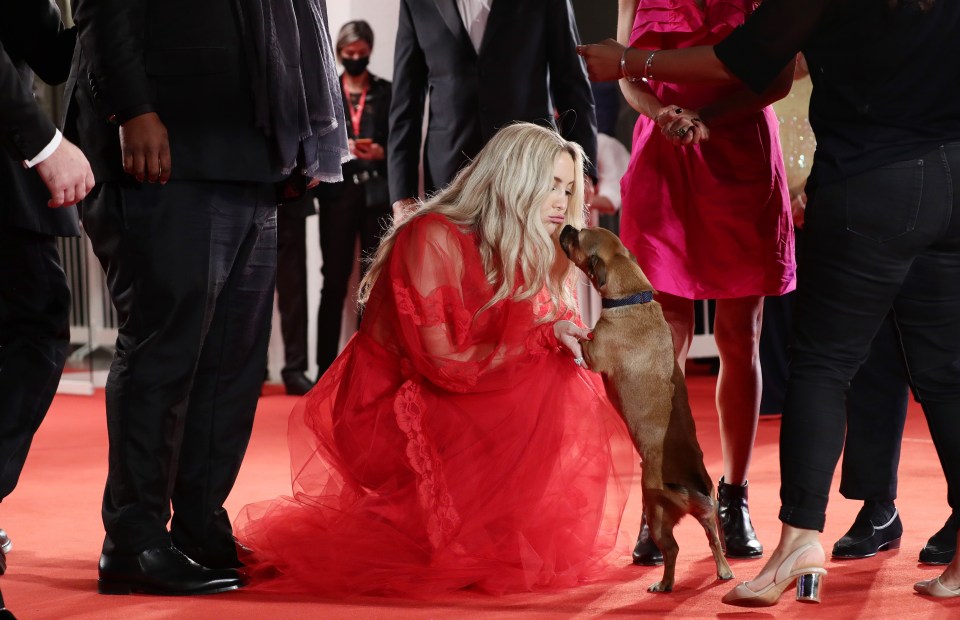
(360, 204)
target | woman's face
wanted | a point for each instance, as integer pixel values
(553, 212)
(355, 50)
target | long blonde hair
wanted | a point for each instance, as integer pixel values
(498, 197)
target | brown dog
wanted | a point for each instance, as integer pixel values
(632, 348)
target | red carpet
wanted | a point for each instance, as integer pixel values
(54, 520)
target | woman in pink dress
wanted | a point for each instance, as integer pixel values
(706, 212)
(457, 442)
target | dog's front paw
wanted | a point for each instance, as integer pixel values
(660, 587)
(725, 575)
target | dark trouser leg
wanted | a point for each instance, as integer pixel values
(339, 226)
(876, 412)
(168, 252)
(224, 396)
(292, 286)
(34, 337)
(865, 239)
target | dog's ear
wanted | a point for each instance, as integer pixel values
(598, 269)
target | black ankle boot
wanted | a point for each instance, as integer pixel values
(646, 552)
(739, 539)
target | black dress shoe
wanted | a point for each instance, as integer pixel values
(297, 385)
(942, 546)
(646, 553)
(733, 514)
(222, 558)
(876, 528)
(163, 570)
(5, 543)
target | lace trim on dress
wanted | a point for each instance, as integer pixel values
(443, 521)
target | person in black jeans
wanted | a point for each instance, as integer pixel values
(361, 204)
(882, 230)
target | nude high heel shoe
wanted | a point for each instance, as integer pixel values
(809, 575)
(934, 587)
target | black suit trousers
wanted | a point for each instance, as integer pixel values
(292, 286)
(34, 337)
(191, 268)
(342, 220)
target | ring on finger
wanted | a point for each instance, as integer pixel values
(578, 361)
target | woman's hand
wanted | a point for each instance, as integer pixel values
(683, 127)
(603, 60)
(569, 334)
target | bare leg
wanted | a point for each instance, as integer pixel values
(679, 314)
(737, 333)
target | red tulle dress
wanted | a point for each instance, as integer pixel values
(710, 221)
(442, 452)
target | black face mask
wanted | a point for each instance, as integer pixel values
(355, 66)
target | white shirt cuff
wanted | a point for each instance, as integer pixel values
(46, 152)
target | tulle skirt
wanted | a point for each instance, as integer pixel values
(401, 488)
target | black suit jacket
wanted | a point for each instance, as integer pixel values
(182, 59)
(527, 66)
(32, 38)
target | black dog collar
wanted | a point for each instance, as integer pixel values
(638, 298)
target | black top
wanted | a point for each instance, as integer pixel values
(886, 82)
(374, 124)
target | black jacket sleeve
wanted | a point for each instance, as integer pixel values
(406, 110)
(569, 85)
(112, 40)
(31, 33)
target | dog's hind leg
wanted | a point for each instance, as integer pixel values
(708, 519)
(661, 523)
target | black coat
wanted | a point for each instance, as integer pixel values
(474, 94)
(182, 59)
(32, 39)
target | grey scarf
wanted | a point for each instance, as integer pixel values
(295, 86)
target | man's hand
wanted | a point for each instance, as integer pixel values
(146, 148)
(402, 209)
(67, 175)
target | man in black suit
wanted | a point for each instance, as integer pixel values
(188, 112)
(41, 174)
(516, 61)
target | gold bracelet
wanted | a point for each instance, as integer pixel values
(623, 67)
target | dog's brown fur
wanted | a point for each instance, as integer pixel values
(633, 350)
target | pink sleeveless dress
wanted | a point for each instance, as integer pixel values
(710, 221)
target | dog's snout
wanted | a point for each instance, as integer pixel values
(567, 235)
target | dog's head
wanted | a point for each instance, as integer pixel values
(601, 255)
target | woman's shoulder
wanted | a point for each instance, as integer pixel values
(434, 229)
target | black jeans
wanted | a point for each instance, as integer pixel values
(190, 267)
(342, 219)
(888, 239)
(34, 338)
